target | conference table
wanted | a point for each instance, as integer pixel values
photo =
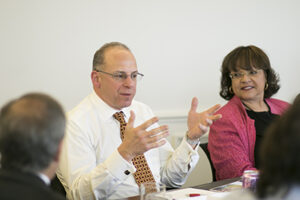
(206, 186)
(214, 184)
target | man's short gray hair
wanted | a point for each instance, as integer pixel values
(98, 60)
(31, 130)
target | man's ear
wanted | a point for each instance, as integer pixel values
(57, 156)
(95, 79)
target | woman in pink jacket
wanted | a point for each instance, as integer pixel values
(248, 82)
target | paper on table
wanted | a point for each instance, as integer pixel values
(184, 194)
(237, 185)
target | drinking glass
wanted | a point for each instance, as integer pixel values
(153, 190)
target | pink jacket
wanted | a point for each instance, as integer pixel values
(232, 138)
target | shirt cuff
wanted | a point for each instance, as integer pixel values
(185, 143)
(118, 166)
(186, 156)
(186, 149)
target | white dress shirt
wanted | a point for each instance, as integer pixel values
(91, 167)
(44, 178)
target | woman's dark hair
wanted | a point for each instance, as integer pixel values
(247, 58)
(279, 155)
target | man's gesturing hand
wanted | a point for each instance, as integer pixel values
(137, 140)
(198, 123)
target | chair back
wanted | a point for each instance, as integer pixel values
(205, 149)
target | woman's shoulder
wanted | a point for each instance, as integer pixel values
(277, 106)
(233, 115)
(277, 101)
(232, 107)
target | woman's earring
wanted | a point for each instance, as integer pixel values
(266, 86)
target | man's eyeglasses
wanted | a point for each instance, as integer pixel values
(122, 76)
(239, 75)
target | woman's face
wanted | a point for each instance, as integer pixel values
(248, 85)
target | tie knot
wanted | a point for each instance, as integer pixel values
(120, 117)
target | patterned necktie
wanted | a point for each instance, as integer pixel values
(143, 173)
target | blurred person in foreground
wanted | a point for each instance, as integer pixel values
(248, 82)
(31, 131)
(99, 161)
(280, 160)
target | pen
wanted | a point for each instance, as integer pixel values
(194, 195)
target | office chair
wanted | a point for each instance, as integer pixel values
(205, 149)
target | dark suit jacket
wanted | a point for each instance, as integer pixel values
(19, 185)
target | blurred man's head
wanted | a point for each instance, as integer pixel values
(115, 75)
(31, 132)
(279, 154)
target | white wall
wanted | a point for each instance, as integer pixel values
(179, 45)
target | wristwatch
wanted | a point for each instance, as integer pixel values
(191, 142)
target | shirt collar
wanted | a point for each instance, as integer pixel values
(44, 178)
(107, 111)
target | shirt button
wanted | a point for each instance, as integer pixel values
(127, 172)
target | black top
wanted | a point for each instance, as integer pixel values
(262, 121)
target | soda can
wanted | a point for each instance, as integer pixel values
(249, 179)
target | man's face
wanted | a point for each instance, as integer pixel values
(117, 93)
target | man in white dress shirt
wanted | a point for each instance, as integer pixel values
(95, 162)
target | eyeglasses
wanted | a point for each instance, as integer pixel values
(239, 75)
(122, 76)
